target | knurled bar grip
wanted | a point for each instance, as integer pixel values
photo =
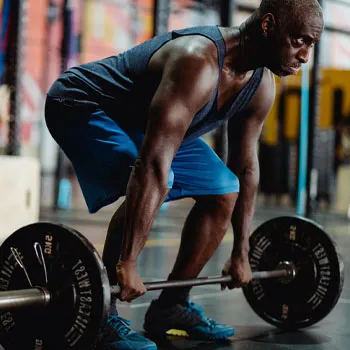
(40, 297)
(115, 289)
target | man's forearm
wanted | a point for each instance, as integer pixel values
(145, 193)
(244, 211)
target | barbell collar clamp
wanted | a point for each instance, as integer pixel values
(37, 297)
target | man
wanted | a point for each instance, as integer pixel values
(131, 124)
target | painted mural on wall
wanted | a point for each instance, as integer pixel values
(336, 51)
(33, 78)
(110, 27)
(6, 26)
(100, 28)
(191, 13)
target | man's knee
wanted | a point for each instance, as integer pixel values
(219, 208)
(223, 204)
(226, 202)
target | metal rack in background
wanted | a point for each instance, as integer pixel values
(14, 71)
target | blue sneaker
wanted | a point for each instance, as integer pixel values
(186, 320)
(118, 336)
(192, 307)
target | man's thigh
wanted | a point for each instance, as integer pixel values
(199, 171)
(101, 153)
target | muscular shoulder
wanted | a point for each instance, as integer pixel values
(264, 97)
(192, 69)
(187, 51)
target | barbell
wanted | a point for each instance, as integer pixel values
(55, 294)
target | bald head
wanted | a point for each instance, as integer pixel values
(284, 32)
(288, 11)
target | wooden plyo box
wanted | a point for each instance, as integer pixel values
(342, 204)
(20, 193)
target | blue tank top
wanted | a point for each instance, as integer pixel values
(120, 85)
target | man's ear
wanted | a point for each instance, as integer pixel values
(268, 25)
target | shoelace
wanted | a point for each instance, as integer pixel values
(186, 317)
(191, 308)
(120, 324)
(191, 305)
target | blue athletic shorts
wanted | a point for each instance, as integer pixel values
(103, 155)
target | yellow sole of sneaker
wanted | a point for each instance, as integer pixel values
(177, 332)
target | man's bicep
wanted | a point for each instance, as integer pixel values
(180, 95)
(243, 145)
(244, 138)
(166, 128)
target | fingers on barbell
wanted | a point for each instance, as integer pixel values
(230, 285)
(129, 295)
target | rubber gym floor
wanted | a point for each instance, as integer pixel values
(230, 307)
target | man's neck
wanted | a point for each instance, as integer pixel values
(244, 52)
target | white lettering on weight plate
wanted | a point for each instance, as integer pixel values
(84, 300)
(324, 274)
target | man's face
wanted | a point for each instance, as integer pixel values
(292, 46)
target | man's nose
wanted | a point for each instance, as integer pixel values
(304, 55)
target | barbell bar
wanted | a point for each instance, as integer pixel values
(40, 297)
(60, 298)
(284, 270)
